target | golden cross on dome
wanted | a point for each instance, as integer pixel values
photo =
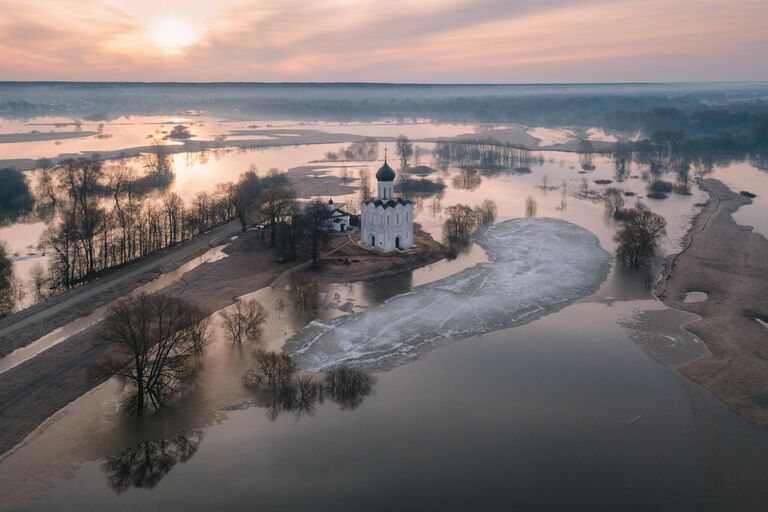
(385, 155)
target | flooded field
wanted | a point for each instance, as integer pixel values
(581, 401)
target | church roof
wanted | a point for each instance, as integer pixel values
(385, 172)
(388, 203)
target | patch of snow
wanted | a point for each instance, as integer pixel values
(238, 407)
(598, 134)
(694, 297)
(537, 266)
(26, 257)
(551, 136)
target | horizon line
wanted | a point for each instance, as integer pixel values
(395, 84)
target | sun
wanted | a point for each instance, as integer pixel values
(172, 35)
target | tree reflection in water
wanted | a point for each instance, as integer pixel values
(300, 394)
(144, 465)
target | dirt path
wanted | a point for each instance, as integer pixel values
(729, 262)
(27, 326)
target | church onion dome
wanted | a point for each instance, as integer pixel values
(385, 173)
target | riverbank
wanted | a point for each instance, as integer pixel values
(34, 390)
(729, 263)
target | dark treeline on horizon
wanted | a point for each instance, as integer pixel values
(624, 107)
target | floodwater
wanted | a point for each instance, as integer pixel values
(745, 177)
(68, 330)
(580, 409)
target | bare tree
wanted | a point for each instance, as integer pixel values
(621, 161)
(155, 333)
(200, 334)
(243, 196)
(468, 179)
(38, 280)
(276, 203)
(639, 238)
(243, 320)
(404, 149)
(586, 155)
(614, 200)
(366, 191)
(272, 370)
(316, 216)
(158, 164)
(530, 207)
(46, 199)
(459, 223)
(7, 296)
(303, 291)
(486, 212)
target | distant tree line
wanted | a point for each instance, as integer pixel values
(486, 155)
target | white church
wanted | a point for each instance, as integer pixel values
(386, 222)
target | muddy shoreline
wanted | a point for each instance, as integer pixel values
(729, 263)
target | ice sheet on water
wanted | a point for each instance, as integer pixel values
(537, 266)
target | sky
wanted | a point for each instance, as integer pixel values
(440, 41)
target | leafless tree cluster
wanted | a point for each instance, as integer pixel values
(485, 212)
(365, 150)
(247, 196)
(467, 179)
(272, 370)
(639, 237)
(459, 224)
(242, 321)
(461, 220)
(102, 217)
(482, 154)
(155, 337)
(275, 377)
(302, 229)
(614, 200)
(277, 204)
